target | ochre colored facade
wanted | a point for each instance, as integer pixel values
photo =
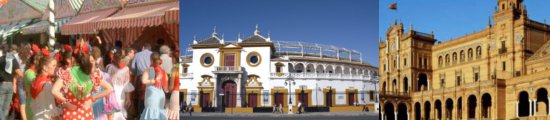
(501, 72)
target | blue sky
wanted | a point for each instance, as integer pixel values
(344, 23)
(450, 18)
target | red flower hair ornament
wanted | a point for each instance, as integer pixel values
(82, 47)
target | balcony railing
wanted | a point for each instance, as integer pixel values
(502, 50)
(322, 76)
(229, 69)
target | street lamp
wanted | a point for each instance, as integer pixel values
(289, 82)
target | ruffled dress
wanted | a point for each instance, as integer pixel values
(104, 106)
(79, 98)
(120, 80)
(173, 106)
(154, 98)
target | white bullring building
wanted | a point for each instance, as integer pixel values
(254, 74)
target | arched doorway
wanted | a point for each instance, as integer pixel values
(402, 111)
(459, 108)
(427, 109)
(523, 105)
(389, 112)
(328, 98)
(230, 89)
(449, 109)
(542, 102)
(417, 111)
(472, 104)
(422, 82)
(406, 85)
(486, 103)
(438, 109)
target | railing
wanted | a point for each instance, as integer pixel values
(321, 75)
(502, 50)
(228, 68)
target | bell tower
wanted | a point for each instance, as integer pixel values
(513, 7)
(506, 38)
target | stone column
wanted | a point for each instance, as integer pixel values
(548, 106)
(530, 107)
(395, 115)
(239, 91)
(408, 116)
(517, 108)
(478, 109)
(215, 90)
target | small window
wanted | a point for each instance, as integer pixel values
(371, 95)
(419, 62)
(504, 66)
(207, 60)
(253, 59)
(279, 69)
(442, 82)
(458, 80)
(462, 56)
(455, 58)
(405, 61)
(476, 76)
(478, 51)
(470, 54)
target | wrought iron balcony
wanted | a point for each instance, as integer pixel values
(502, 50)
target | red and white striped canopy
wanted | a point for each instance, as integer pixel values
(143, 16)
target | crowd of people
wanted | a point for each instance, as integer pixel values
(83, 82)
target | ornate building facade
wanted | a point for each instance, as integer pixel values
(501, 72)
(255, 74)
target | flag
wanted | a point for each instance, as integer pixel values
(393, 6)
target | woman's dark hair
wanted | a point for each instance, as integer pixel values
(43, 62)
(83, 60)
(67, 55)
(35, 59)
(118, 56)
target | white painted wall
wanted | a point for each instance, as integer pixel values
(264, 71)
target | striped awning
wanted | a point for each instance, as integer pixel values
(9, 29)
(42, 26)
(147, 15)
(86, 23)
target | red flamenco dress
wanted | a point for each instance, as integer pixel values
(78, 87)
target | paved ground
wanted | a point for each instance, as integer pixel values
(271, 116)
